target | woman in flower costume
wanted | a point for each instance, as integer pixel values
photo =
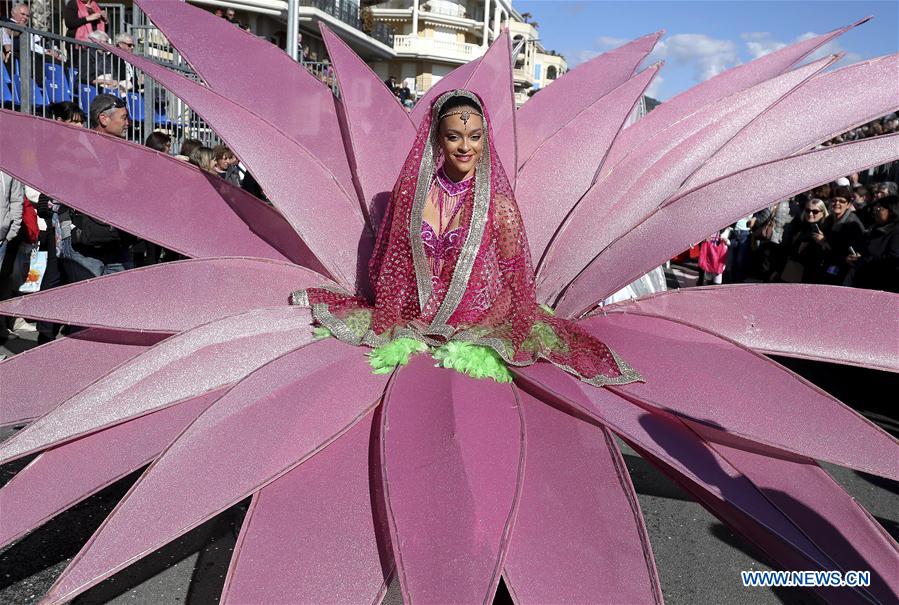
(451, 269)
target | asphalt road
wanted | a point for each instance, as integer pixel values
(699, 559)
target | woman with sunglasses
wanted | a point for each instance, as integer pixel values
(843, 230)
(805, 254)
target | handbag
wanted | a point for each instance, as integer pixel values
(713, 255)
(37, 268)
(792, 272)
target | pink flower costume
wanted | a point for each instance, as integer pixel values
(473, 283)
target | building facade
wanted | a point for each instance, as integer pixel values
(433, 37)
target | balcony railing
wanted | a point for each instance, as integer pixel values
(460, 11)
(461, 51)
(349, 14)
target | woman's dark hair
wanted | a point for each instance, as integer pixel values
(189, 145)
(158, 141)
(891, 203)
(67, 111)
(457, 102)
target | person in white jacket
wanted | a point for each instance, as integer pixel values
(12, 195)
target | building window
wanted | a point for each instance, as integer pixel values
(538, 69)
(551, 72)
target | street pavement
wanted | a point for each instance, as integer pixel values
(699, 559)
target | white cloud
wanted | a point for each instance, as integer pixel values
(655, 87)
(707, 56)
(761, 43)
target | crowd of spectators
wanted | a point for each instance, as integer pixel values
(841, 233)
(71, 245)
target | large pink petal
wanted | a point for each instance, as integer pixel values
(326, 217)
(144, 192)
(371, 114)
(789, 127)
(311, 536)
(269, 423)
(564, 165)
(722, 85)
(184, 366)
(651, 174)
(683, 455)
(492, 81)
(579, 535)
(689, 218)
(825, 512)
(743, 394)
(452, 453)
(65, 475)
(25, 398)
(458, 78)
(271, 77)
(545, 113)
(196, 292)
(782, 319)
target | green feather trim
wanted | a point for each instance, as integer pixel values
(474, 360)
(395, 353)
(321, 332)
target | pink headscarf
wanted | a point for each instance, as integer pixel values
(85, 9)
(485, 294)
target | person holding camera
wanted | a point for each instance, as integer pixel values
(805, 255)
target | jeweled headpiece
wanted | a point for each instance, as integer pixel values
(464, 113)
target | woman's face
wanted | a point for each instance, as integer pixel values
(881, 214)
(462, 142)
(840, 206)
(813, 213)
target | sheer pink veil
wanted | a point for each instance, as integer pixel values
(486, 296)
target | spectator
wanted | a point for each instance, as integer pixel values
(124, 71)
(187, 147)
(202, 157)
(95, 248)
(390, 83)
(96, 66)
(806, 249)
(861, 201)
(842, 231)
(159, 141)
(12, 198)
(109, 115)
(713, 258)
(767, 236)
(226, 164)
(82, 18)
(40, 50)
(219, 13)
(877, 268)
(231, 17)
(885, 189)
(405, 95)
(740, 246)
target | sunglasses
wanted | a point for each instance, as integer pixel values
(128, 44)
(812, 211)
(115, 102)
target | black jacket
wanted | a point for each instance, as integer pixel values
(878, 268)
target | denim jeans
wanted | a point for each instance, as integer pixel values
(79, 267)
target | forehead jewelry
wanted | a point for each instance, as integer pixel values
(465, 115)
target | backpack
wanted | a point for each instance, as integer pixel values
(88, 232)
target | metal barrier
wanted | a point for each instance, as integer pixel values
(57, 68)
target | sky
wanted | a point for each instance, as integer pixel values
(704, 38)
